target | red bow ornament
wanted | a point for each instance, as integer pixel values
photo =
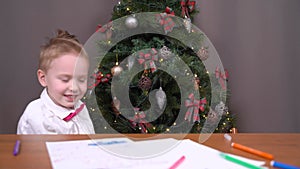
(193, 106)
(187, 6)
(147, 58)
(166, 21)
(99, 78)
(138, 120)
(107, 29)
(222, 77)
(169, 11)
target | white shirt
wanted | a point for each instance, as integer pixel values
(43, 116)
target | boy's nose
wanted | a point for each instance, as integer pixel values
(74, 87)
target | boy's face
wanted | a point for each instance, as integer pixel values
(66, 79)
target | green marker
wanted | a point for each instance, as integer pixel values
(240, 162)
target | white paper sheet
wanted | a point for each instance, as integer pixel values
(122, 153)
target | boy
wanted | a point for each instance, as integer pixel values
(63, 72)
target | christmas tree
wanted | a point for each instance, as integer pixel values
(155, 72)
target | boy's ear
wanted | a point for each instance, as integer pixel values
(42, 77)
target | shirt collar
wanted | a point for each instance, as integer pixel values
(59, 111)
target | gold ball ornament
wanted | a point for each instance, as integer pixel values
(116, 70)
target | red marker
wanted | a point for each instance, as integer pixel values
(177, 163)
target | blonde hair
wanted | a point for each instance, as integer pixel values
(63, 43)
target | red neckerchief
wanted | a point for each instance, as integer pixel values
(71, 115)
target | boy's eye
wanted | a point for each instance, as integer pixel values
(64, 79)
(82, 79)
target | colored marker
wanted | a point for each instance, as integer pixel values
(107, 143)
(252, 151)
(282, 165)
(227, 137)
(17, 148)
(239, 162)
(177, 163)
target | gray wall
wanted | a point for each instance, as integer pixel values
(257, 40)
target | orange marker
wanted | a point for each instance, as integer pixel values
(252, 151)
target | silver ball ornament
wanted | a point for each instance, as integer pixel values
(131, 22)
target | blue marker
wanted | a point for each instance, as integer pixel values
(106, 143)
(282, 165)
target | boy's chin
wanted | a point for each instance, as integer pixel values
(69, 105)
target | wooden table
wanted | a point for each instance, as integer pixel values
(33, 152)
